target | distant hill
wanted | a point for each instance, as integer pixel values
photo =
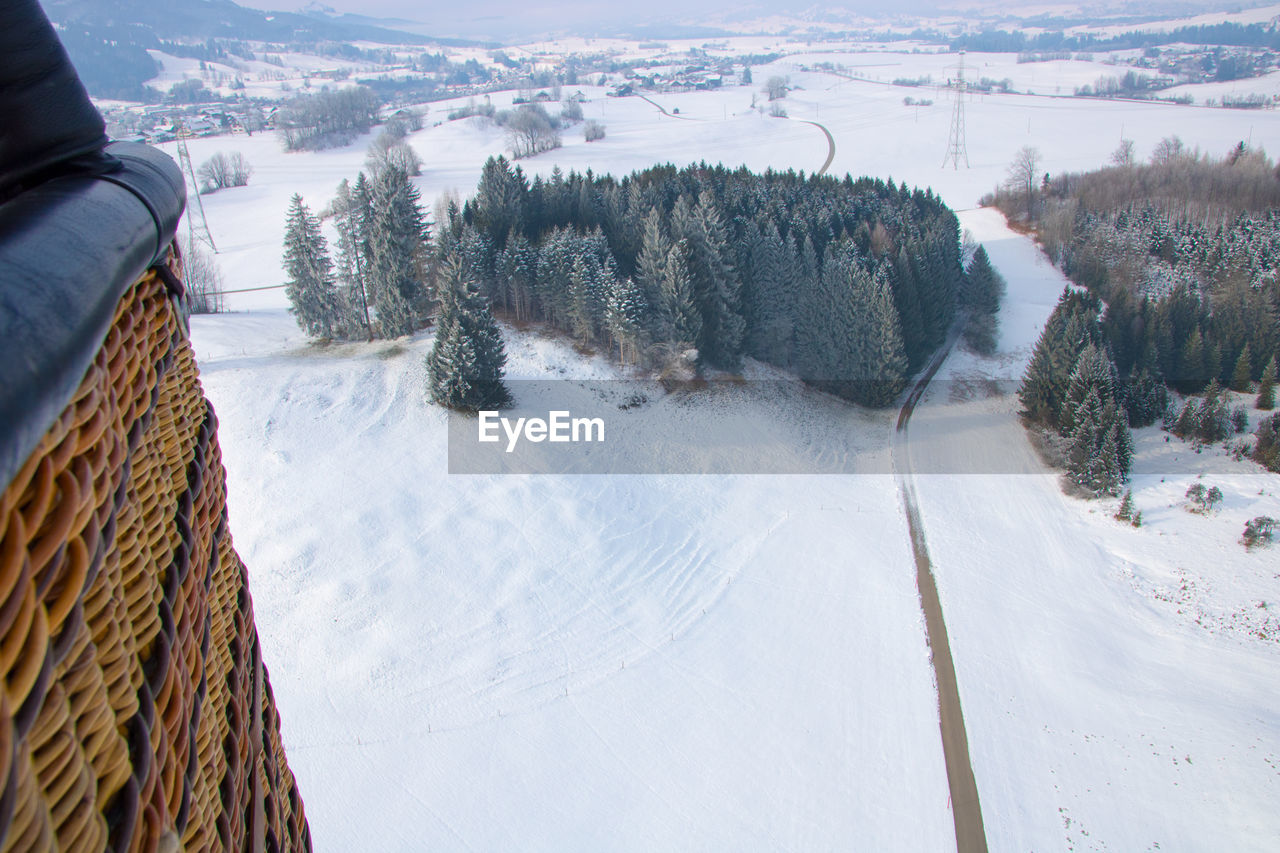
(205, 19)
(108, 39)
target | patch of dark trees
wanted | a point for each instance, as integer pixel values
(849, 283)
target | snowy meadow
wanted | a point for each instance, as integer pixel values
(641, 662)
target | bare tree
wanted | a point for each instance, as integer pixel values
(1023, 172)
(570, 111)
(592, 130)
(1167, 150)
(1123, 155)
(777, 87)
(221, 171)
(530, 131)
(389, 149)
(202, 278)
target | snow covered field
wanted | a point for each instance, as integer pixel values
(737, 662)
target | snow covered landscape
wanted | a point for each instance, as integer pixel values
(740, 661)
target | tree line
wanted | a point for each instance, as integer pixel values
(1180, 293)
(851, 284)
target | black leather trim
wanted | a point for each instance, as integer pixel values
(46, 117)
(80, 220)
(69, 248)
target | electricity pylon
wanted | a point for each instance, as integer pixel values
(194, 231)
(956, 149)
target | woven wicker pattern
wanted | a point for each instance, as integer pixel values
(135, 710)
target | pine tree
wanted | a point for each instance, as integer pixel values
(832, 333)
(772, 298)
(498, 207)
(1101, 449)
(625, 316)
(310, 288)
(887, 361)
(681, 323)
(981, 297)
(906, 296)
(351, 213)
(1242, 375)
(396, 247)
(651, 262)
(515, 269)
(1094, 370)
(1267, 387)
(1070, 328)
(1125, 512)
(716, 286)
(1193, 373)
(465, 365)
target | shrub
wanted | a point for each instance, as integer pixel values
(1266, 449)
(571, 111)
(592, 130)
(221, 171)
(1239, 419)
(1258, 531)
(1203, 501)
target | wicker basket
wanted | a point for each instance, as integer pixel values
(136, 712)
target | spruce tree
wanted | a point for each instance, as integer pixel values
(1267, 387)
(396, 248)
(831, 332)
(716, 286)
(498, 207)
(906, 296)
(1242, 375)
(887, 362)
(625, 317)
(465, 365)
(1125, 512)
(770, 329)
(351, 213)
(1094, 370)
(312, 296)
(981, 297)
(515, 269)
(651, 262)
(681, 323)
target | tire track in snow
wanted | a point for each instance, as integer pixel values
(966, 810)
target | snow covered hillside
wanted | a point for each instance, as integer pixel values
(738, 662)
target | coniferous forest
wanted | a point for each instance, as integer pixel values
(1178, 259)
(850, 284)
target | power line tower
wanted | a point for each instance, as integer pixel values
(194, 231)
(956, 149)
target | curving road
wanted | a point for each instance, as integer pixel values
(966, 810)
(831, 145)
(663, 109)
(831, 140)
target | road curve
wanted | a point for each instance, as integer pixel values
(664, 109)
(831, 145)
(831, 141)
(966, 810)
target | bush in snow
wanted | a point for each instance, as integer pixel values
(1267, 448)
(592, 130)
(221, 171)
(1203, 501)
(1258, 531)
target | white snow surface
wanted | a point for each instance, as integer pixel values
(737, 662)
